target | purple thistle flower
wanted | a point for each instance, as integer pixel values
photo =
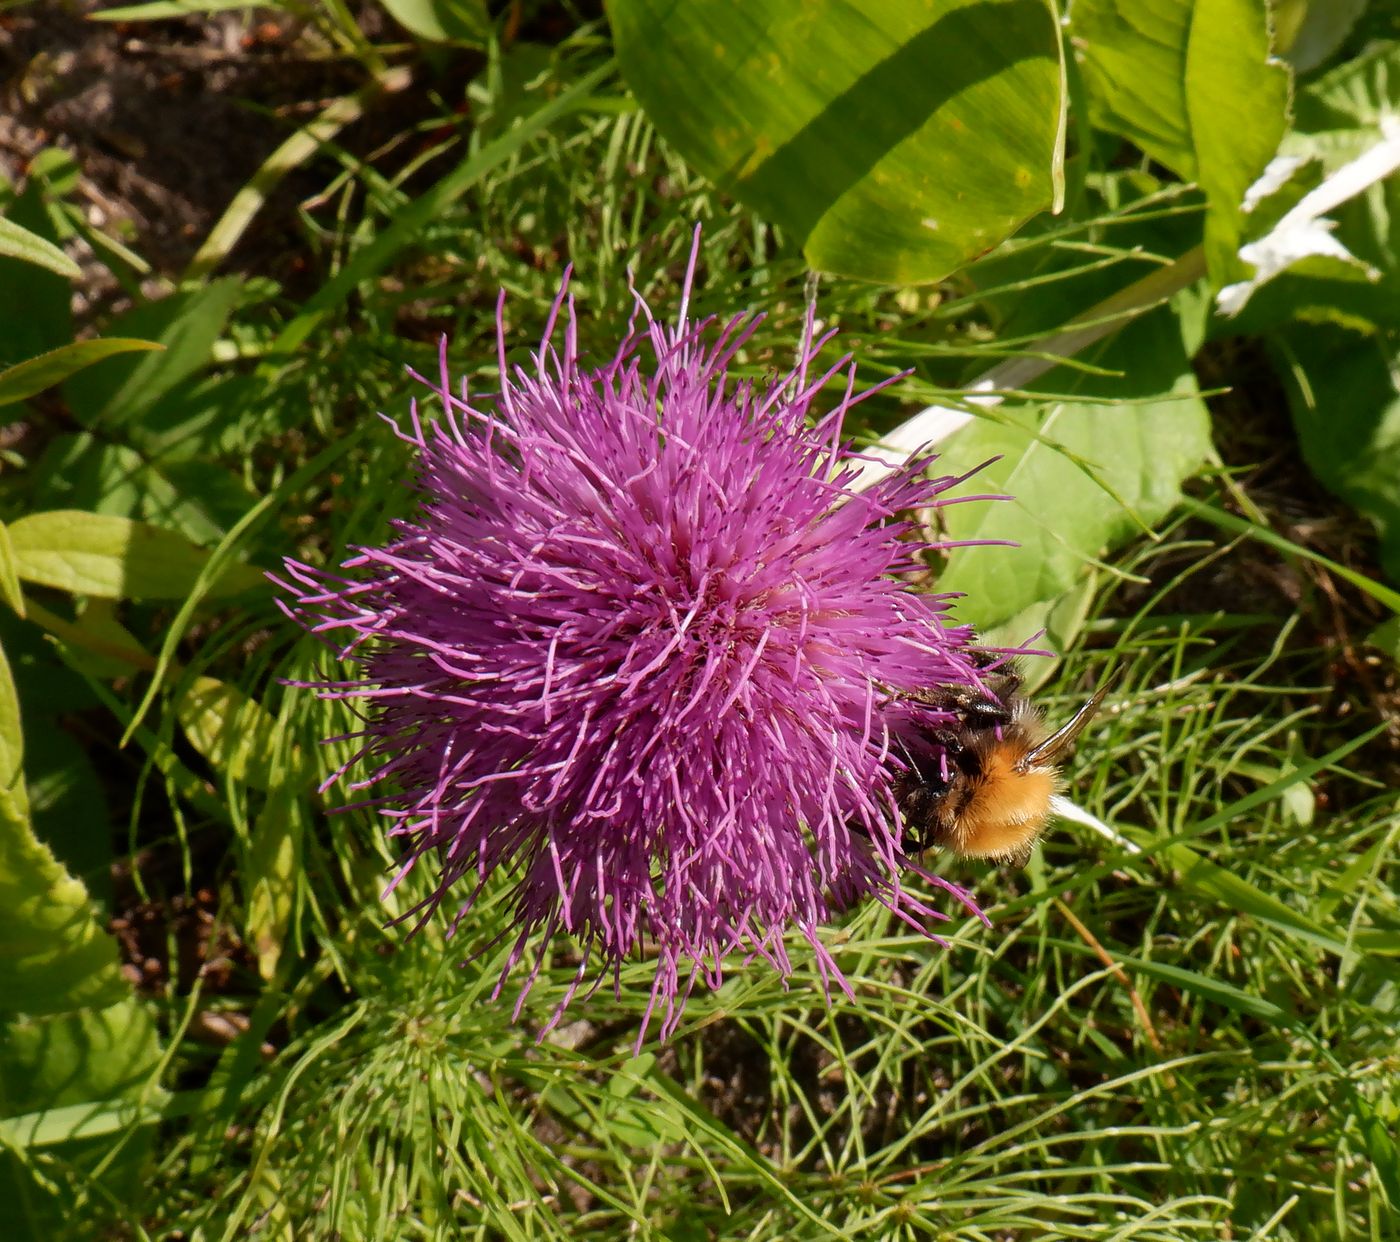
(642, 648)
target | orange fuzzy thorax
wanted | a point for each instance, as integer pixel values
(1006, 809)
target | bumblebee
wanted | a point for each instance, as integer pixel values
(982, 785)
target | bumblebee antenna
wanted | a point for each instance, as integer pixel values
(1058, 743)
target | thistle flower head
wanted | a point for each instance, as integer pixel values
(642, 648)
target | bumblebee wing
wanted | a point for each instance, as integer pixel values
(1054, 747)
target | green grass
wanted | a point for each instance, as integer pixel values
(1006, 1085)
(1187, 1034)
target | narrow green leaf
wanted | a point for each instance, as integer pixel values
(12, 790)
(1378, 941)
(1215, 990)
(293, 152)
(1344, 885)
(409, 220)
(114, 557)
(902, 141)
(9, 575)
(160, 10)
(1305, 771)
(234, 733)
(1236, 893)
(1378, 1139)
(17, 242)
(185, 325)
(442, 21)
(705, 1123)
(270, 873)
(1240, 526)
(622, 1112)
(37, 374)
(1205, 877)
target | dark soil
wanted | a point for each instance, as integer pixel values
(166, 121)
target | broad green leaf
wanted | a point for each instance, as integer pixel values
(213, 416)
(1057, 621)
(1191, 82)
(1341, 113)
(53, 954)
(442, 21)
(60, 1075)
(233, 732)
(1338, 119)
(17, 242)
(64, 1059)
(1307, 32)
(1344, 394)
(113, 557)
(96, 644)
(1302, 240)
(1062, 516)
(185, 325)
(197, 499)
(896, 141)
(70, 1122)
(41, 678)
(26, 378)
(68, 803)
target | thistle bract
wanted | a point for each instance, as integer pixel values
(641, 648)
